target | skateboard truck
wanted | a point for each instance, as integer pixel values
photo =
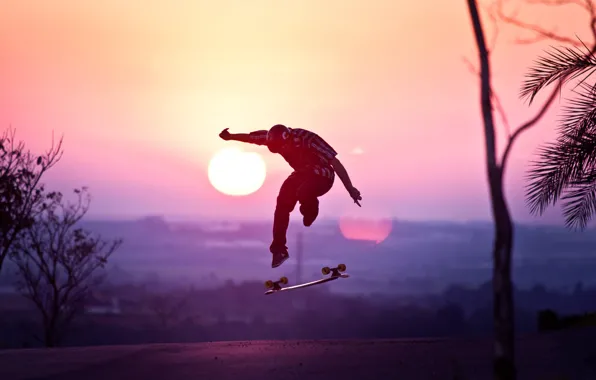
(335, 272)
(274, 285)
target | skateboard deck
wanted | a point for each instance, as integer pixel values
(335, 274)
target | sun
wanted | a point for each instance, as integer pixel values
(234, 172)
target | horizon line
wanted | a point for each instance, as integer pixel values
(173, 218)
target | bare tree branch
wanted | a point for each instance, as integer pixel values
(541, 37)
(540, 33)
(501, 111)
(544, 35)
(493, 18)
(581, 3)
(530, 123)
(471, 68)
(20, 186)
(57, 261)
(592, 11)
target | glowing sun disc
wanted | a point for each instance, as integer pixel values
(234, 172)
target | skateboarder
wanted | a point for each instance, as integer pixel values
(314, 163)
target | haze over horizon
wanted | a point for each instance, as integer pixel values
(140, 91)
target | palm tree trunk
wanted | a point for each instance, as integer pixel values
(503, 303)
(503, 311)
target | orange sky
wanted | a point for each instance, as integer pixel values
(140, 90)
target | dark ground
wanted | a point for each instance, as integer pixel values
(559, 355)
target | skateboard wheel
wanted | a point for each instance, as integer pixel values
(269, 284)
(341, 267)
(326, 270)
(283, 280)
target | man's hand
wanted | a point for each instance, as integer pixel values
(355, 194)
(225, 134)
(345, 178)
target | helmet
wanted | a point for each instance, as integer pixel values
(277, 136)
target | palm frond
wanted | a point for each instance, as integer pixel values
(565, 162)
(579, 111)
(548, 176)
(559, 63)
(580, 202)
(578, 129)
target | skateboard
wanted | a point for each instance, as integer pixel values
(274, 286)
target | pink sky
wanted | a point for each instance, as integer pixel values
(140, 90)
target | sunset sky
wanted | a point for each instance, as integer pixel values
(141, 89)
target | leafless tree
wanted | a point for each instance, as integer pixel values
(20, 187)
(503, 302)
(58, 262)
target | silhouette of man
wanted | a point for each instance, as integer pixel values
(314, 163)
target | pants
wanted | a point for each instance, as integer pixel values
(298, 187)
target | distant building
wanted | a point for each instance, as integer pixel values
(96, 306)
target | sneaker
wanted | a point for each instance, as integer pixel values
(280, 254)
(278, 259)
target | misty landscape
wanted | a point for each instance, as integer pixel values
(181, 282)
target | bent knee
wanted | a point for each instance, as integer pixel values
(309, 202)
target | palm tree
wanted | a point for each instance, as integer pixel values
(566, 168)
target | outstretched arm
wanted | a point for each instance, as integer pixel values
(342, 173)
(256, 137)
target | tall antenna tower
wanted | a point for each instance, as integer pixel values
(299, 249)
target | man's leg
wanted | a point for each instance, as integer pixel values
(286, 201)
(308, 195)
